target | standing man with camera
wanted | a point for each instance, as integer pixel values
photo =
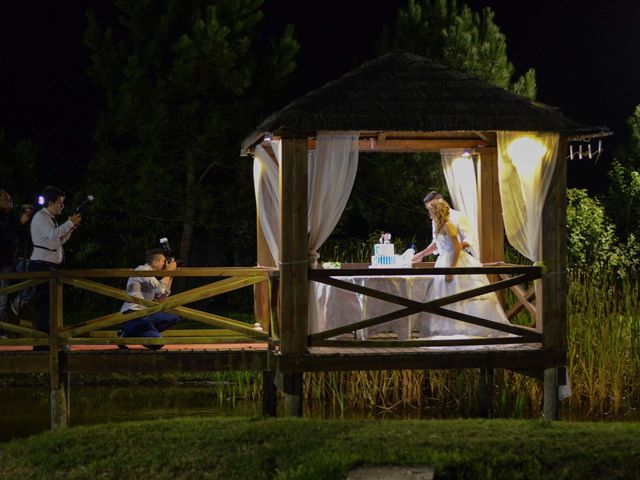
(10, 229)
(48, 254)
(151, 289)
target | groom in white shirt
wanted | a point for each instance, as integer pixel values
(462, 224)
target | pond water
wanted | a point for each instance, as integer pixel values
(25, 410)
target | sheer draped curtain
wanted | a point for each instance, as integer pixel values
(526, 162)
(332, 171)
(266, 184)
(460, 174)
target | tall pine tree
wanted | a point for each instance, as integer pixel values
(453, 34)
(389, 188)
(183, 82)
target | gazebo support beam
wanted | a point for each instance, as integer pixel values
(294, 264)
(261, 291)
(490, 247)
(490, 224)
(553, 302)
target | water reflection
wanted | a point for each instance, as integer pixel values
(25, 410)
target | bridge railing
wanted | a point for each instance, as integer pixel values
(95, 331)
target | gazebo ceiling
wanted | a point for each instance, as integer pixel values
(403, 99)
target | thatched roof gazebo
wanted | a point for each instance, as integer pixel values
(402, 92)
(401, 102)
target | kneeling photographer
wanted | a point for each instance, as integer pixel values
(153, 289)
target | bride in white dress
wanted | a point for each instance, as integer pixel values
(485, 306)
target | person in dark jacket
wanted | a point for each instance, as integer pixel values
(11, 226)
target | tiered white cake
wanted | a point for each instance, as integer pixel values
(384, 255)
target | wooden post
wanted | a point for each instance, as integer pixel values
(294, 264)
(490, 248)
(261, 291)
(552, 300)
(292, 388)
(551, 398)
(490, 223)
(485, 392)
(269, 394)
(554, 255)
(59, 377)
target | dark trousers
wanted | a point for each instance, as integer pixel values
(150, 326)
(42, 296)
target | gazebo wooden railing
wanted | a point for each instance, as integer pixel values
(511, 277)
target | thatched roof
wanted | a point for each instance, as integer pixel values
(400, 91)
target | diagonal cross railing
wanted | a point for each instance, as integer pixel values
(516, 334)
(93, 332)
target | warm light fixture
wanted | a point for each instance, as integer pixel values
(526, 155)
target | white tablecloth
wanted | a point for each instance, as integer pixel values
(332, 307)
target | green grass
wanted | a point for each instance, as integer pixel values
(230, 448)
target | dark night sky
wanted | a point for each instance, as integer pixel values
(584, 53)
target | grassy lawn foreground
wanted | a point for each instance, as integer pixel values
(242, 448)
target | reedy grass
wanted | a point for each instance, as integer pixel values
(603, 331)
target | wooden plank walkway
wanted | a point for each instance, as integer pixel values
(175, 347)
(256, 357)
(521, 356)
(109, 358)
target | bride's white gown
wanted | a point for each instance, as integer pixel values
(485, 306)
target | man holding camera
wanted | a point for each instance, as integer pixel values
(151, 289)
(48, 254)
(11, 227)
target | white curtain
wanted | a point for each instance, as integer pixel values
(460, 174)
(526, 162)
(266, 182)
(332, 171)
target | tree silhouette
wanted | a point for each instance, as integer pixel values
(183, 82)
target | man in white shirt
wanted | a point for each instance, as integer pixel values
(151, 289)
(462, 223)
(48, 254)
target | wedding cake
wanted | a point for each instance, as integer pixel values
(384, 255)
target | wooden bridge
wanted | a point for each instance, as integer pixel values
(222, 343)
